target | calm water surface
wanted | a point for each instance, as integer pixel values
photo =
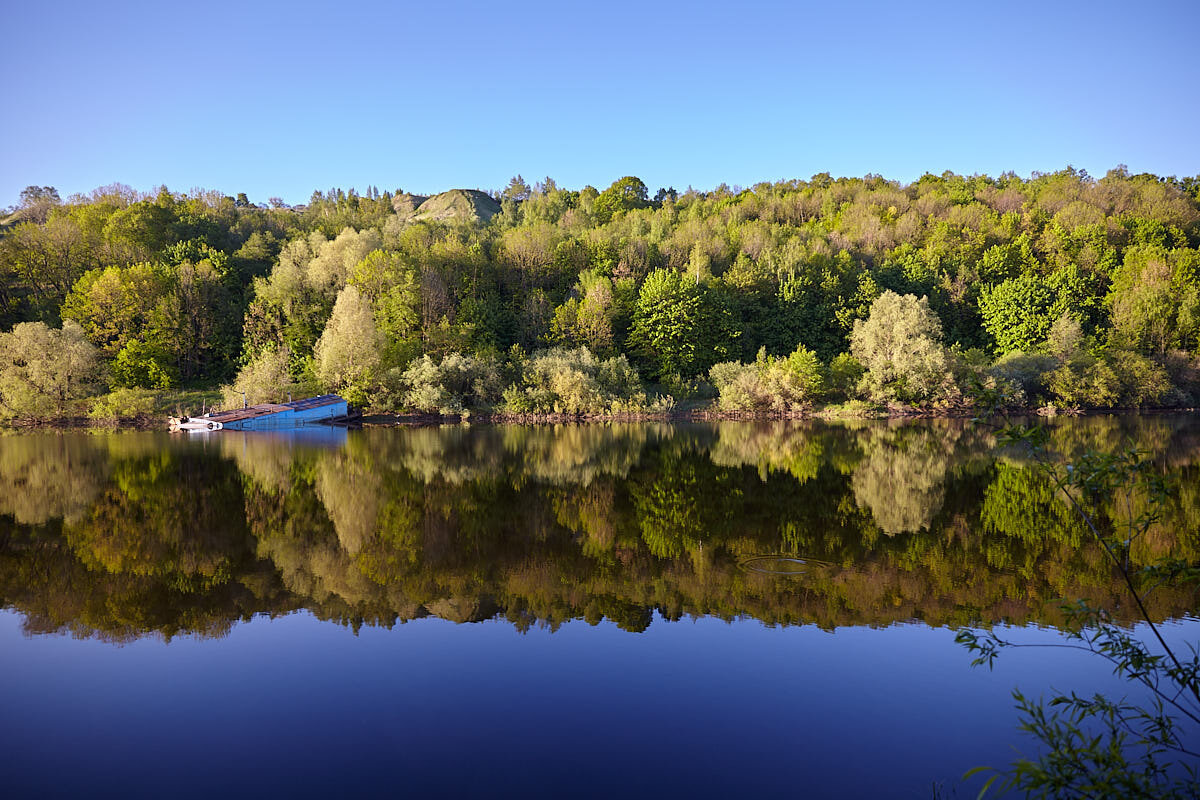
(636, 610)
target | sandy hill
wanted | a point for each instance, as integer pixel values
(405, 204)
(469, 204)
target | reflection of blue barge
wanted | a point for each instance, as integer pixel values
(269, 416)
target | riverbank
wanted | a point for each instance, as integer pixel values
(703, 413)
(695, 414)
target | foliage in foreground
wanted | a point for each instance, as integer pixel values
(1096, 746)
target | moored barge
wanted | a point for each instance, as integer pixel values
(268, 416)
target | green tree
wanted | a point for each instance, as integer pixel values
(1155, 300)
(517, 190)
(391, 284)
(42, 369)
(666, 324)
(625, 194)
(116, 304)
(144, 363)
(1018, 312)
(900, 344)
(587, 321)
(349, 352)
(40, 264)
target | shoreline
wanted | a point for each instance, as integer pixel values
(702, 414)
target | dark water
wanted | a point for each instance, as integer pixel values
(634, 610)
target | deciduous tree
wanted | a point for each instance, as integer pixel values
(43, 369)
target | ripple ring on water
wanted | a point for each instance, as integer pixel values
(775, 565)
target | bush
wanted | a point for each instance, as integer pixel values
(266, 379)
(457, 383)
(845, 373)
(1183, 370)
(1085, 381)
(769, 384)
(1029, 371)
(575, 381)
(124, 403)
(1142, 382)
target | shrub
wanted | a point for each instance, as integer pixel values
(124, 403)
(769, 384)
(576, 381)
(1085, 381)
(1028, 371)
(266, 379)
(1142, 382)
(1183, 369)
(845, 373)
(457, 383)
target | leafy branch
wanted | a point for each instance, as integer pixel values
(1095, 746)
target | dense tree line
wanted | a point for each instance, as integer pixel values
(121, 536)
(1059, 288)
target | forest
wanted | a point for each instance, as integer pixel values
(1059, 291)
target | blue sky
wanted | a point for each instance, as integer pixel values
(279, 99)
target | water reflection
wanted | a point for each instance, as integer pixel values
(125, 535)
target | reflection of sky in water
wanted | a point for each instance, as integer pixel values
(296, 707)
(308, 435)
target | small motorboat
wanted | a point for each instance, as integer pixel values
(193, 424)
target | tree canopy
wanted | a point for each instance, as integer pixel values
(186, 289)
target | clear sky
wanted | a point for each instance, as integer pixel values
(279, 99)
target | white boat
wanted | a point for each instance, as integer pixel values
(193, 424)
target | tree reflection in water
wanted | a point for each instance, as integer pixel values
(126, 535)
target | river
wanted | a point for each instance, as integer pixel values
(635, 609)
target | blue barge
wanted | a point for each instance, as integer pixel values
(269, 416)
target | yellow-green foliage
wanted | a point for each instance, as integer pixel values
(769, 384)
(565, 381)
(125, 403)
(900, 344)
(43, 370)
(266, 379)
(181, 289)
(348, 354)
(455, 384)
